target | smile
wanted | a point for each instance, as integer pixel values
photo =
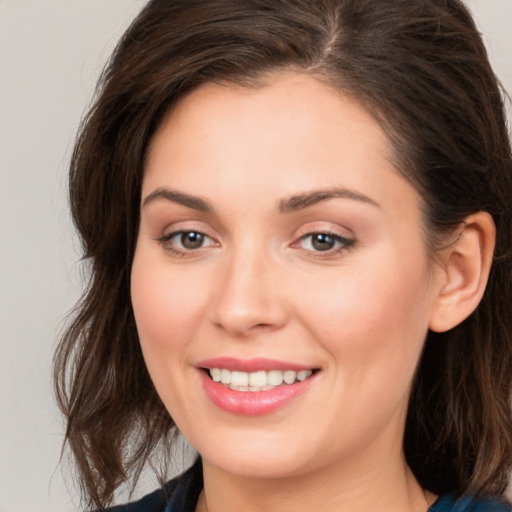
(259, 380)
(254, 387)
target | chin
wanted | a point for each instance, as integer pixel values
(266, 457)
(262, 467)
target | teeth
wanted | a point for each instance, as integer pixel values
(215, 374)
(225, 376)
(239, 379)
(238, 388)
(257, 381)
(289, 376)
(275, 377)
(303, 375)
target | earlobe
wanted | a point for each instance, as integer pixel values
(464, 272)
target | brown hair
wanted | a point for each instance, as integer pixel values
(420, 67)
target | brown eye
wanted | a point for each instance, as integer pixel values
(325, 242)
(322, 241)
(192, 239)
(185, 241)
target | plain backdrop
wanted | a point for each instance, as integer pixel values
(51, 53)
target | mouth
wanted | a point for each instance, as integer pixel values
(256, 381)
(256, 386)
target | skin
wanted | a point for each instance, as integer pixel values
(257, 287)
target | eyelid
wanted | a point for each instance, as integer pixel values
(330, 228)
(166, 238)
(344, 241)
(344, 238)
(172, 234)
(181, 226)
(176, 249)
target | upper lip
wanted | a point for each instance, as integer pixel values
(251, 365)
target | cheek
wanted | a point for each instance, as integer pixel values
(166, 305)
(372, 319)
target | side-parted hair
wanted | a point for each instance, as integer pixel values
(421, 69)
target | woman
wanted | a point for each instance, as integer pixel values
(297, 218)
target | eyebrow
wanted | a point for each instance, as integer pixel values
(194, 202)
(302, 201)
(293, 203)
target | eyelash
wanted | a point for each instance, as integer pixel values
(344, 243)
(166, 242)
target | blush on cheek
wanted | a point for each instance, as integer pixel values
(151, 312)
(372, 318)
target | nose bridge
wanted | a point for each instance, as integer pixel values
(248, 296)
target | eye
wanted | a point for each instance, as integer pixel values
(323, 242)
(185, 241)
(191, 239)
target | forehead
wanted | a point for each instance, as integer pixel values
(285, 137)
(294, 101)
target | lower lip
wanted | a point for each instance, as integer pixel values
(253, 403)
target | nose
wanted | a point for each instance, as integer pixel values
(249, 297)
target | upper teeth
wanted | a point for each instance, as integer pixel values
(257, 381)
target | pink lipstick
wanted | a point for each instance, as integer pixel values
(253, 387)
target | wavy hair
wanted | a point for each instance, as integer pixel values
(421, 69)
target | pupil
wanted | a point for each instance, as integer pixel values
(192, 240)
(323, 242)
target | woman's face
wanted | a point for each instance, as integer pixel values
(277, 241)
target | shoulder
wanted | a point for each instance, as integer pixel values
(452, 503)
(178, 495)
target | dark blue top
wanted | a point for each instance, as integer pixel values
(182, 493)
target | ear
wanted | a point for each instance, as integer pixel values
(463, 272)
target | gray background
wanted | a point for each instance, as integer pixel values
(51, 52)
